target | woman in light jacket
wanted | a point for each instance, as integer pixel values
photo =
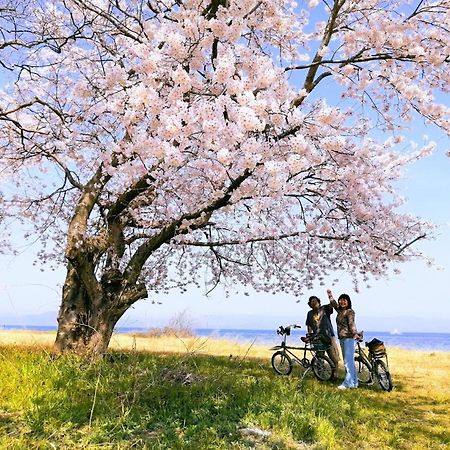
(347, 333)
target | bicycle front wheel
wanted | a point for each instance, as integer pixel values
(383, 375)
(364, 371)
(281, 363)
(322, 367)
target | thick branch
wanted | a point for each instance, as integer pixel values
(124, 200)
(354, 60)
(211, 10)
(309, 83)
(132, 294)
(212, 244)
(260, 239)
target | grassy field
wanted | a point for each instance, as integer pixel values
(197, 393)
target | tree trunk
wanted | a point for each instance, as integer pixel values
(85, 325)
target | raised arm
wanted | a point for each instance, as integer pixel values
(333, 302)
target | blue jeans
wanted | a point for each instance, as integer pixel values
(348, 354)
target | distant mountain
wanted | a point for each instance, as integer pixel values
(48, 319)
(43, 319)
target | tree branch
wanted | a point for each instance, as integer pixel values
(144, 251)
(309, 83)
(124, 200)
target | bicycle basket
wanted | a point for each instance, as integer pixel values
(376, 348)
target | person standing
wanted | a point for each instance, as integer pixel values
(347, 333)
(318, 321)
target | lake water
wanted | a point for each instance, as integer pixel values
(415, 341)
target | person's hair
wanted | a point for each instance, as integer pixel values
(313, 297)
(346, 297)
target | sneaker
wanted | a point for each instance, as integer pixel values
(341, 386)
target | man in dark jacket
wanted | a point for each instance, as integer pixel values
(318, 321)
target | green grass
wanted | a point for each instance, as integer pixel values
(135, 400)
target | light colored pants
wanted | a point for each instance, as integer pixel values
(348, 354)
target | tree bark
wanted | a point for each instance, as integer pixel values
(85, 325)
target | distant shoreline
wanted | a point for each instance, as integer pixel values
(140, 329)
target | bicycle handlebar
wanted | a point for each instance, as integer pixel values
(287, 329)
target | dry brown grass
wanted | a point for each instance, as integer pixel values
(27, 338)
(171, 343)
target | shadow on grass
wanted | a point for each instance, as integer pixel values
(171, 402)
(406, 421)
(140, 400)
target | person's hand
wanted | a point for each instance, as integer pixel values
(330, 294)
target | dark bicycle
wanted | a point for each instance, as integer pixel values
(313, 357)
(374, 364)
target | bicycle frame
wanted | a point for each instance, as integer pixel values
(305, 362)
(377, 365)
(363, 355)
(288, 348)
(285, 356)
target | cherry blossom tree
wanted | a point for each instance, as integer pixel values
(152, 144)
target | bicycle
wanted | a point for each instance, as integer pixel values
(283, 359)
(373, 365)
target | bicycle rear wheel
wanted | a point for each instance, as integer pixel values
(364, 371)
(383, 375)
(281, 363)
(322, 367)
